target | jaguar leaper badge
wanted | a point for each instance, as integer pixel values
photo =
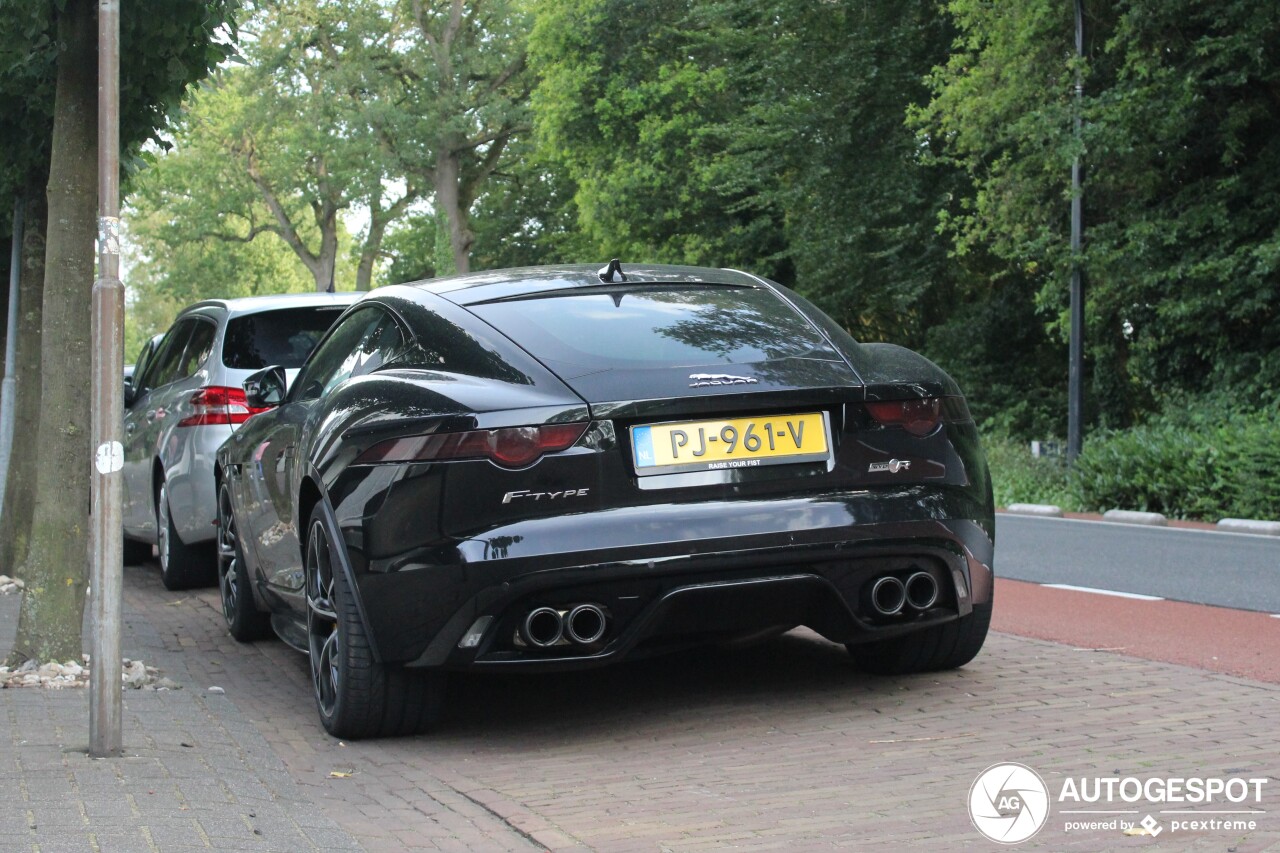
(702, 380)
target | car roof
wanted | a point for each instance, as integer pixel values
(472, 288)
(251, 304)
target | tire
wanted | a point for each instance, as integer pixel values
(356, 696)
(182, 566)
(244, 620)
(946, 646)
(136, 552)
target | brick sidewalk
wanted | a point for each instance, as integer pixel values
(780, 746)
(195, 774)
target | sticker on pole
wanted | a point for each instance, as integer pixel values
(109, 236)
(109, 458)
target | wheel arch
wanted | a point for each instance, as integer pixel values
(311, 499)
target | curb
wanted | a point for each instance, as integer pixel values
(1043, 510)
(1250, 525)
(1128, 516)
(1254, 526)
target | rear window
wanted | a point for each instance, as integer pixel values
(284, 337)
(655, 327)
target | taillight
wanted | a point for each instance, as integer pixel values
(510, 447)
(918, 417)
(219, 406)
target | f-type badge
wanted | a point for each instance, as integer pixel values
(702, 380)
(893, 466)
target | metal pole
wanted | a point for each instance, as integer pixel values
(9, 387)
(1075, 377)
(106, 531)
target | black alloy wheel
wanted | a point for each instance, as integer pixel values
(356, 696)
(244, 620)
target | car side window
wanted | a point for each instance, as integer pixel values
(197, 350)
(143, 360)
(379, 347)
(163, 367)
(341, 353)
(441, 344)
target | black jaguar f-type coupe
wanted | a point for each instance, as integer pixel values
(563, 467)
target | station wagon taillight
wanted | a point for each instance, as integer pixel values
(510, 447)
(219, 406)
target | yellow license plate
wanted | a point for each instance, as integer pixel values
(733, 443)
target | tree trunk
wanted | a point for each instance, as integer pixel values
(379, 219)
(327, 268)
(20, 490)
(449, 203)
(55, 569)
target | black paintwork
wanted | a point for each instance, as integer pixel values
(673, 559)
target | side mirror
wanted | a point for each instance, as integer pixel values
(265, 389)
(130, 393)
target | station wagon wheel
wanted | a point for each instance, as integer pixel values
(356, 695)
(181, 565)
(244, 620)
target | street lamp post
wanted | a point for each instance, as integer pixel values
(1075, 376)
(106, 543)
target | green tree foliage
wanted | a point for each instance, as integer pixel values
(354, 111)
(1182, 149)
(28, 57)
(525, 215)
(461, 99)
(284, 146)
(634, 104)
(829, 85)
(771, 136)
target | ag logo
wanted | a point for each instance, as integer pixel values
(1008, 803)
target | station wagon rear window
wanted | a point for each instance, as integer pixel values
(284, 337)
(653, 327)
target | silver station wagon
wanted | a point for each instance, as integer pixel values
(185, 401)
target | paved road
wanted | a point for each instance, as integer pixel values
(1200, 566)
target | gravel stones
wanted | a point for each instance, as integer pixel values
(134, 675)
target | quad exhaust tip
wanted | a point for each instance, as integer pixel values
(921, 591)
(585, 624)
(888, 595)
(581, 624)
(543, 627)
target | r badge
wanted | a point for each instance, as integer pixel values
(893, 466)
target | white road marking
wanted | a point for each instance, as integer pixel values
(1132, 595)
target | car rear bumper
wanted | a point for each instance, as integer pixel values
(189, 473)
(678, 575)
